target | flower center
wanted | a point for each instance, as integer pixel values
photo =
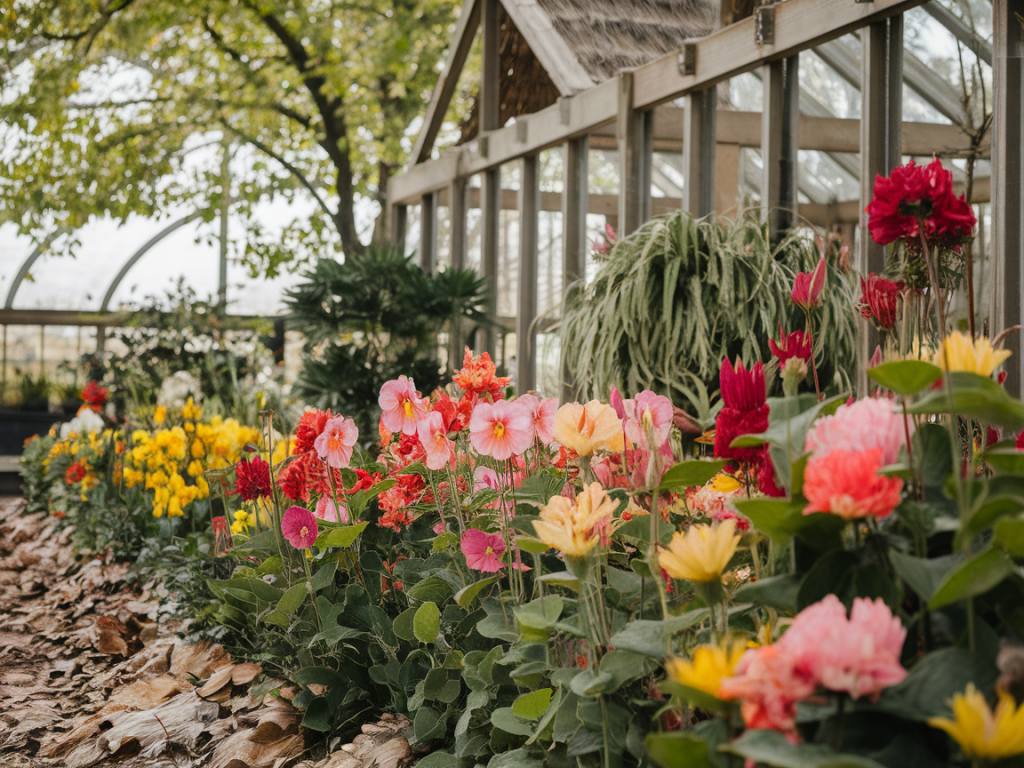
(499, 429)
(489, 550)
(304, 532)
(407, 406)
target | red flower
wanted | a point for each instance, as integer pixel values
(94, 395)
(795, 344)
(221, 535)
(310, 426)
(396, 520)
(910, 192)
(296, 478)
(745, 411)
(364, 480)
(1020, 442)
(766, 477)
(807, 287)
(878, 300)
(76, 473)
(477, 377)
(252, 479)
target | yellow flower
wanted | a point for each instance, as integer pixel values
(979, 731)
(160, 415)
(700, 554)
(723, 483)
(710, 666)
(959, 353)
(575, 528)
(587, 428)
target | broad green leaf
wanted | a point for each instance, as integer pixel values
(976, 396)
(678, 749)
(652, 638)
(905, 377)
(427, 623)
(324, 575)
(690, 473)
(293, 598)
(433, 589)
(924, 575)
(1009, 536)
(317, 715)
(533, 705)
(771, 748)
(340, 537)
(357, 502)
(932, 682)
(517, 758)
(497, 627)
(402, 625)
(779, 592)
(444, 541)
(334, 635)
(537, 618)
(1005, 461)
(782, 519)
(561, 579)
(549, 715)
(973, 577)
(505, 719)
(530, 544)
(467, 594)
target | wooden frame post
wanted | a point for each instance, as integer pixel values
(529, 220)
(490, 193)
(398, 223)
(881, 115)
(1008, 177)
(575, 204)
(428, 233)
(699, 151)
(635, 131)
(779, 144)
(457, 260)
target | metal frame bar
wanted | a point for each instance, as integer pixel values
(428, 233)
(575, 205)
(779, 144)
(699, 146)
(529, 219)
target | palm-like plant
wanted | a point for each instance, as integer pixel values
(371, 318)
(679, 294)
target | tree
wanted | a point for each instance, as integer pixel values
(115, 107)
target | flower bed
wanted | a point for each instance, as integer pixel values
(819, 581)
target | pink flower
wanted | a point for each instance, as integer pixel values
(807, 287)
(860, 426)
(651, 413)
(401, 405)
(334, 444)
(434, 439)
(501, 430)
(483, 551)
(485, 477)
(616, 402)
(769, 685)
(542, 411)
(847, 483)
(327, 510)
(299, 526)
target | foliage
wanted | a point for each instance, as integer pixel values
(371, 318)
(675, 297)
(125, 107)
(30, 393)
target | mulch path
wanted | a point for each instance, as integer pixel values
(89, 676)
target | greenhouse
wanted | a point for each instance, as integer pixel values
(512, 383)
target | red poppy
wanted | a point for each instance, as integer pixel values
(878, 300)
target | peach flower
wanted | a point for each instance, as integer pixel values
(501, 429)
(847, 483)
(587, 428)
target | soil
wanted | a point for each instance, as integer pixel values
(90, 677)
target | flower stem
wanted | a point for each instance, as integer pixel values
(604, 733)
(810, 337)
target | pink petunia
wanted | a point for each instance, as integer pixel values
(434, 438)
(299, 526)
(483, 551)
(334, 444)
(847, 484)
(542, 412)
(327, 510)
(501, 430)
(868, 423)
(650, 413)
(401, 405)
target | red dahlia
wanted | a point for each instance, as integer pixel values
(878, 300)
(745, 410)
(310, 426)
(252, 479)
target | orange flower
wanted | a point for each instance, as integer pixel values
(847, 483)
(477, 376)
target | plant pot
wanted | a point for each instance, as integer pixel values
(18, 426)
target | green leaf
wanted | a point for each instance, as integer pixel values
(773, 749)
(444, 540)
(293, 598)
(652, 638)
(334, 635)
(974, 577)
(340, 537)
(505, 719)
(427, 623)
(497, 627)
(537, 618)
(1009, 536)
(465, 596)
(517, 758)
(324, 575)
(438, 760)
(561, 579)
(906, 377)
(678, 749)
(782, 519)
(923, 575)
(927, 690)
(531, 706)
(530, 544)
(779, 592)
(1005, 461)
(317, 716)
(433, 589)
(402, 625)
(690, 473)
(976, 396)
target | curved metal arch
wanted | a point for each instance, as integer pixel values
(173, 227)
(26, 265)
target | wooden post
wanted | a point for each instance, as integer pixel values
(575, 204)
(457, 260)
(635, 136)
(877, 146)
(699, 151)
(727, 179)
(529, 217)
(779, 120)
(1008, 177)
(398, 221)
(490, 203)
(428, 232)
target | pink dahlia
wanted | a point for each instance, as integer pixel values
(769, 686)
(299, 526)
(334, 444)
(501, 429)
(401, 405)
(327, 510)
(868, 423)
(847, 483)
(483, 551)
(434, 439)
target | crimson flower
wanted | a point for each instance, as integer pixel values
(878, 300)
(76, 473)
(299, 527)
(807, 287)
(745, 410)
(912, 193)
(794, 344)
(310, 426)
(252, 479)
(94, 394)
(478, 377)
